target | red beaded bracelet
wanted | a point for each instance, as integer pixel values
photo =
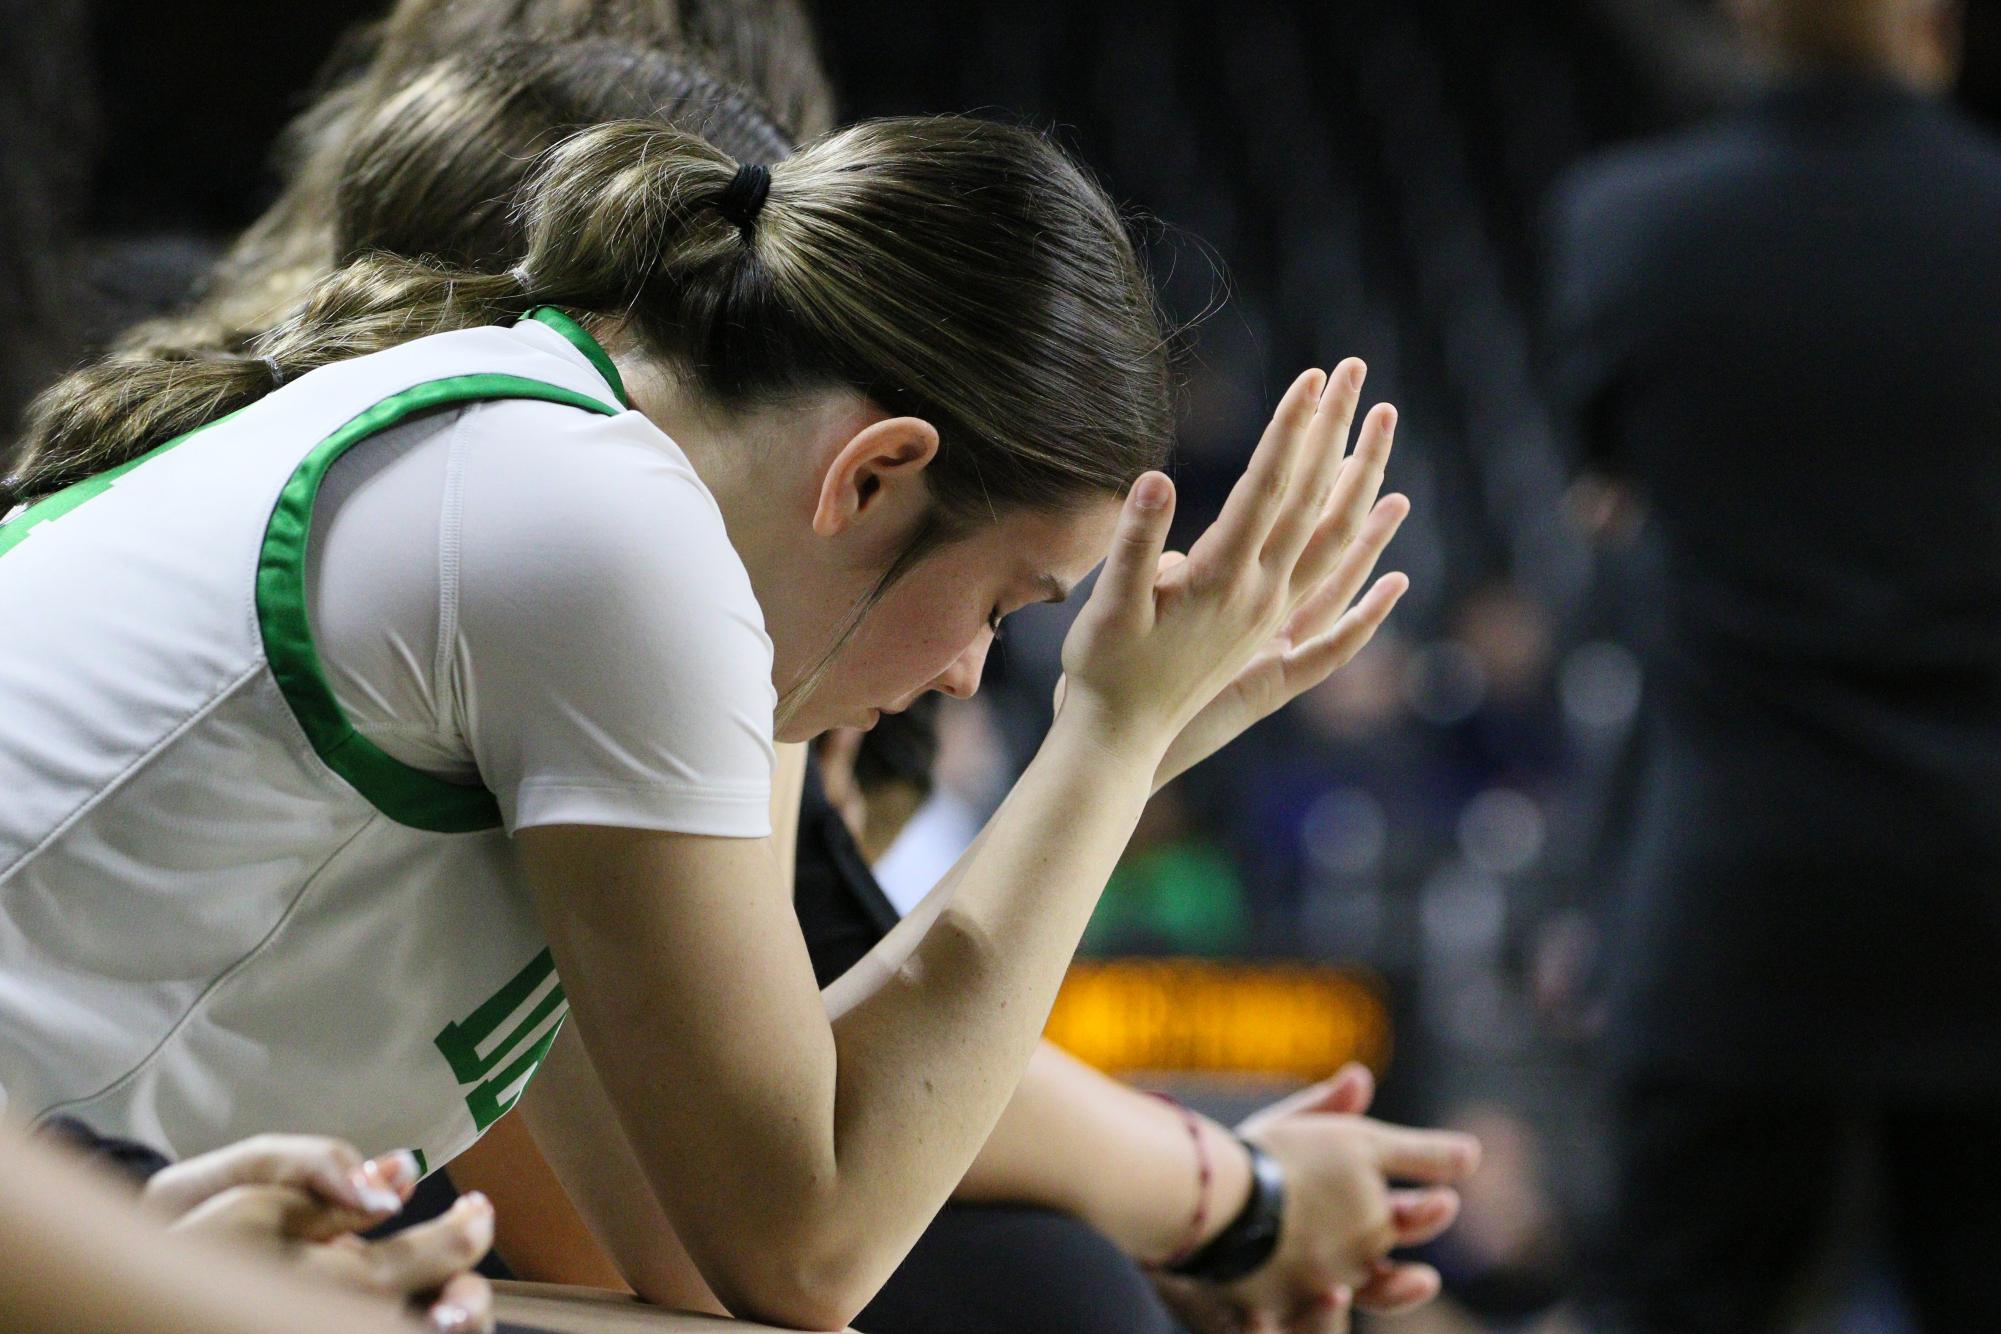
(1204, 1174)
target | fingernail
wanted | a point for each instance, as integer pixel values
(399, 1168)
(371, 1193)
(476, 1201)
(1358, 373)
(450, 1318)
(1150, 492)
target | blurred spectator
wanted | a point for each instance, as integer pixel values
(970, 777)
(1780, 331)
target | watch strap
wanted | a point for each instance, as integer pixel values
(1250, 1239)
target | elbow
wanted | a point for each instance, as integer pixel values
(806, 1311)
(810, 1267)
(779, 1289)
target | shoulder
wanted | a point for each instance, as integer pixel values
(566, 505)
(1628, 184)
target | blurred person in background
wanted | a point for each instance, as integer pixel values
(1780, 332)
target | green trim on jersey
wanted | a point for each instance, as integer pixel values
(580, 338)
(408, 796)
(67, 499)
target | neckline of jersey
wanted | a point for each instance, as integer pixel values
(578, 337)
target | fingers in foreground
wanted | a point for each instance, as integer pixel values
(1420, 1216)
(1310, 663)
(1351, 1090)
(313, 1162)
(379, 1185)
(1258, 1320)
(1439, 1157)
(1347, 1092)
(1325, 1313)
(308, 1217)
(425, 1257)
(1134, 561)
(1255, 501)
(1353, 498)
(1322, 605)
(271, 1215)
(1318, 465)
(399, 1171)
(1396, 1287)
(463, 1306)
(332, 1168)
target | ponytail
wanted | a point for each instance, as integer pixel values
(118, 408)
(954, 269)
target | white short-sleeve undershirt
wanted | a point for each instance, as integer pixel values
(544, 601)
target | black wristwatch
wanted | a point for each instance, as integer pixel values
(1249, 1239)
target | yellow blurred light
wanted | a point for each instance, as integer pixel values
(1298, 1020)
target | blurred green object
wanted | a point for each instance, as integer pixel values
(1181, 895)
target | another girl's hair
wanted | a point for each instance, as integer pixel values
(959, 270)
(765, 48)
(438, 171)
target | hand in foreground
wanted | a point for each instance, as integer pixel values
(1192, 650)
(1342, 1216)
(330, 1169)
(306, 1196)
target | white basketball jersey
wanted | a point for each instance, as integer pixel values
(222, 910)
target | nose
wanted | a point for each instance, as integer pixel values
(962, 679)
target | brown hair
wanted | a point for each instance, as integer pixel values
(951, 268)
(439, 169)
(765, 48)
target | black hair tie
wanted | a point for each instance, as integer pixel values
(744, 196)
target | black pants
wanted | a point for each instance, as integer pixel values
(1006, 1269)
(1724, 1202)
(978, 1269)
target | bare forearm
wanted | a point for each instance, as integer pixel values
(929, 1058)
(819, 1149)
(1078, 1141)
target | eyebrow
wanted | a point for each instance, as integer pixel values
(1058, 590)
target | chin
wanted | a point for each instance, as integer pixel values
(813, 723)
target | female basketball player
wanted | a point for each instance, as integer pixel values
(341, 840)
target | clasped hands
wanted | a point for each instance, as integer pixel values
(306, 1197)
(1188, 651)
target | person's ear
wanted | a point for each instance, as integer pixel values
(880, 470)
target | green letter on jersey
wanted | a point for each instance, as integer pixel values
(463, 1042)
